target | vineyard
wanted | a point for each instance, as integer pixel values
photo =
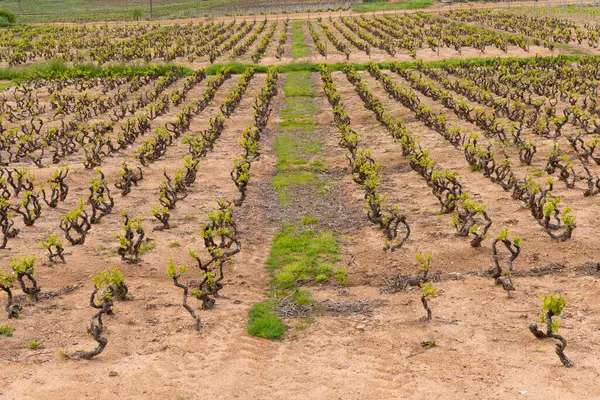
(458, 34)
(364, 206)
(258, 40)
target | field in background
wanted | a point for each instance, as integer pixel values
(294, 175)
(111, 10)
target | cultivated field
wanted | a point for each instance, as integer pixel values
(387, 37)
(377, 206)
(44, 11)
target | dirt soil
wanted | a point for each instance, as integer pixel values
(483, 347)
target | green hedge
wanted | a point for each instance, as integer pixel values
(58, 68)
(9, 16)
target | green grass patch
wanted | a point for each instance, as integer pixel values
(264, 322)
(239, 67)
(6, 85)
(303, 66)
(298, 110)
(147, 246)
(236, 68)
(299, 47)
(300, 254)
(300, 257)
(295, 151)
(568, 49)
(285, 181)
(537, 173)
(341, 276)
(33, 345)
(385, 5)
(308, 220)
(7, 330)
(290, 152)
(299, 84)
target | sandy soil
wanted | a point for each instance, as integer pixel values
(484, 349)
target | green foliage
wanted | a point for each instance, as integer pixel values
(554, 304)
(301, 256)
(6, 85)
(174, 244)
(567, 219)
(537, 172)
(428, 289)
(264, 322)
(197, 293)
(8, 16)
(424, 260)
(4, 22)
(108, 278)
(72, 215)
(64, 353)
(235, 67)
(34, 345)
(550, 205)
(298, 84)
(306, 221)
(516, 240)
(46, 11)
(58, 68)
(7, 330)
(473, 229)
(136, 14)
(503, 234)
(302, 297)
(341, 276)
(147, 246)
(158, 209)
(6, 280)
(21, 265)
(175, 271)
(50, 240)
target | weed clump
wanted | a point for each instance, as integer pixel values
(264, 322)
